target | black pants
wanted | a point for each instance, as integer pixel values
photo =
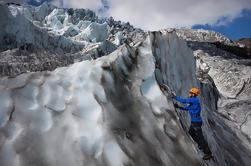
(196, 133)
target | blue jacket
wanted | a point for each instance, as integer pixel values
(193, 108)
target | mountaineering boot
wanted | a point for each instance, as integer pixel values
(208, 156)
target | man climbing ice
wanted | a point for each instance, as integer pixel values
(195, 130)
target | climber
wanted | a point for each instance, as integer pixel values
(195, 130)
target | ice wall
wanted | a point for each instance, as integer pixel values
(175, 61)
(225, 142)
(110, 111)
(175, 67)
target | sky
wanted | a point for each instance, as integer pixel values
(229, 17)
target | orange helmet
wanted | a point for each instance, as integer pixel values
(194, 91)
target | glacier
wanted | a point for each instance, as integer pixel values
(103, 112)
(79, 90)
(46, 29)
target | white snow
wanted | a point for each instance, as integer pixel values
(66, 92)
(13, 11)
(114, 154)
(94, 32)
(118, 38)
(52, 20)
(151, 91)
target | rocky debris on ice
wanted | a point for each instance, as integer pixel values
(222, 133)
(231, 76)
(17, 61)
(213, 43)
(247, 43)
(201, 35)
(232, 79)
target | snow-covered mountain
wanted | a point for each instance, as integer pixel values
(79, 90)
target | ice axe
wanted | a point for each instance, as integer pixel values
(170, 93)
(168, 89)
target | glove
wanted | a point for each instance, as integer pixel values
(176, 105)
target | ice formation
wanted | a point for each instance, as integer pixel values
(110, 111)
(77, 90)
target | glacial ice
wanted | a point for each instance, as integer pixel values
(20, 31)
(86, 113)
(112, 110)
(13, 11)
(94, 33)
(71, 31)
(53, 19)
(82, 25)
(118, 38)
(42, 11)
